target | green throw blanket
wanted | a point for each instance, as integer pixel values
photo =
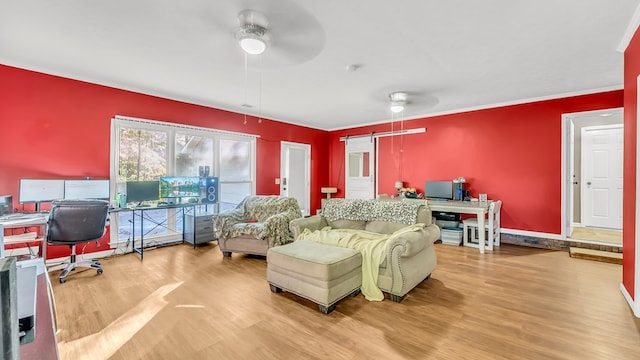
(372, 246)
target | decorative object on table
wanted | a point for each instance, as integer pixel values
(482, 197)
(459, 188)
(398, 185)
(409, 193)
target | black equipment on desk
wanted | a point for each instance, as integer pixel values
(209, 190)
(446, 216)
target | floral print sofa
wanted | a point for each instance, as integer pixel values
(256, 224)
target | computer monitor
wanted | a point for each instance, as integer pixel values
(179, 186)
(139, 191)
(438, 189)
(86, 189)
(40, 190)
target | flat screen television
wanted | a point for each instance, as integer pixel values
(86, 189)
(179, 186)
(140, 191)
(438, 189)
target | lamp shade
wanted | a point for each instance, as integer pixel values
(328, 190)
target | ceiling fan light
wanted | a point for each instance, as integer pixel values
(396, 107)
(398, 101)
(251, 38)
(253, 45)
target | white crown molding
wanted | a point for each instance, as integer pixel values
(491, 106)
(631, 30)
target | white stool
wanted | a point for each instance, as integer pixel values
(492, 226)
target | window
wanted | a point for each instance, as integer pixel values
(145, 150)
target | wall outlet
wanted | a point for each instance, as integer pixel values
(277, 181)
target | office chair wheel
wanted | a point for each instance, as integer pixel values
(63, 280)
(99, 271)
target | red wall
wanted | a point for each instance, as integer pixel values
(55, 127)
(631, 72)
(512, 153)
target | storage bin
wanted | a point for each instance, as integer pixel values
(451, 236)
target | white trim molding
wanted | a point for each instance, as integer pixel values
(533, 234)
(632, 305)
(631, 30)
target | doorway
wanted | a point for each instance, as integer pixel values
(585, 206)
(295, 173)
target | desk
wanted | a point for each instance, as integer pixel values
(464, 207)
(16, 221)
(139, 212)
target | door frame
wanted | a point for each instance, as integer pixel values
(284, 145)
(567, 165)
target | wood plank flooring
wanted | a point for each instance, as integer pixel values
(185, 303)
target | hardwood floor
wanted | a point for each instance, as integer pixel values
(185, 303)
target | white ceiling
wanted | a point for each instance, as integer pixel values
(449, 55)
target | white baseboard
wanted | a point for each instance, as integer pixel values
(630, 301)
(532, 234)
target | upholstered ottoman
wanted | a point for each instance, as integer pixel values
(321, 273)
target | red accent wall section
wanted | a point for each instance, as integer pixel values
(512, 153)
(631, 72)
(55, 127)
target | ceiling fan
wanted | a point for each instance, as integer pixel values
(407, 102)
(281, 32)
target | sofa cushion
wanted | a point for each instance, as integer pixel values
(347, 224)
(383, 227)
(369, 210)
(255, 229)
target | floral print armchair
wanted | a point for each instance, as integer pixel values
(256, 224)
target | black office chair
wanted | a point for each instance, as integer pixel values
(74, 222)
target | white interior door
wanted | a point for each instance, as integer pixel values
(359, 168)
(602, 155)
(295, 173)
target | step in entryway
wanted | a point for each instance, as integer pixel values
(595, 255)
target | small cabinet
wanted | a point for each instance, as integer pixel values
(200, 231)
